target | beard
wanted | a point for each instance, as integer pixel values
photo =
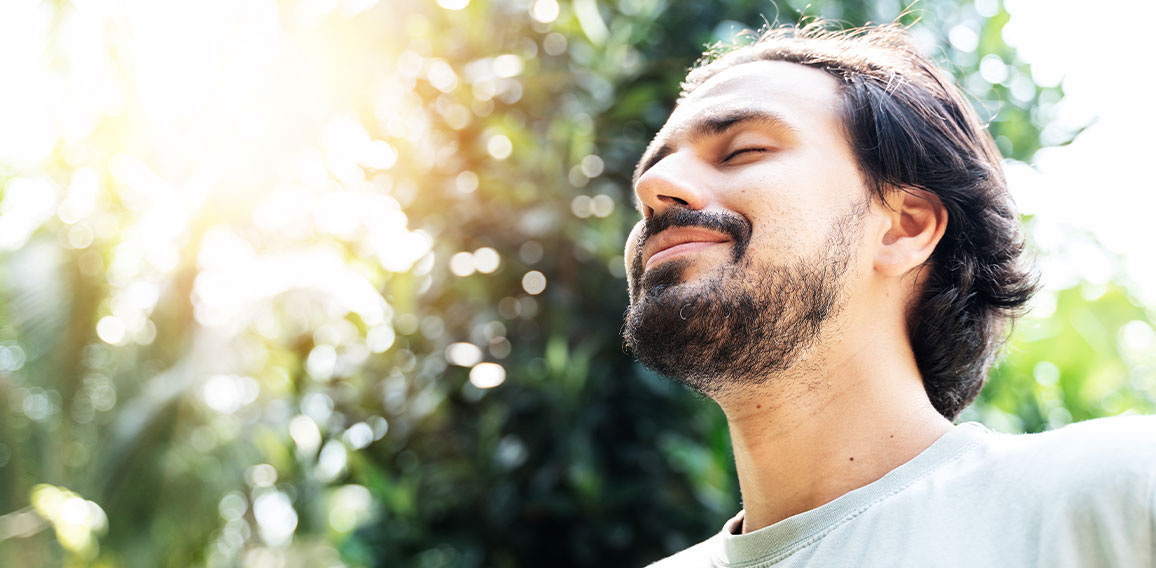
(742, 324)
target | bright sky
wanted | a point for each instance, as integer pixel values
(1102, 183)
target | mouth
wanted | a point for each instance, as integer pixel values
(675, 242)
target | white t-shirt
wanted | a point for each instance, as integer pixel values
(1083, 495)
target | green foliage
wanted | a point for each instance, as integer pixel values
(1085, 353)
(274, 373)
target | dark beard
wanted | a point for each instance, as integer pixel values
(745, 323)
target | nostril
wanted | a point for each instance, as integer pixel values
(670, 199)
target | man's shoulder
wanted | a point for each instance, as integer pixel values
(1101, 450)
(1128, 437)
(1093, 480)
(1134, 426)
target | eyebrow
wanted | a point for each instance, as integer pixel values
(714, 125)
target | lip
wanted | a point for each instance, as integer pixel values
(677, 241)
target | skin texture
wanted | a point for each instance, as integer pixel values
(761, 143)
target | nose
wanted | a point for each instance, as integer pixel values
(676, 180)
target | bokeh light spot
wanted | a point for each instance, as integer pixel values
(466, 182)
(79, 236)
(463, 354)
(993, 69)
(544, 11)
(380, 155)
(1136, 338)
(380, 338)
(534, 282)
(351, 505)
(581, 206)
(227, 393)
(332, 461)
(500, 347)
(487, 260)
(11, 358)
(261, 475)
(555, 44)
(276, 518)
(592, 166)
(1046, 373)
(111, 330)
(305, 434)
(409, 63)
(500, 147)
(233, 506)
(77, 520)
(508, 65)
(487, 375)
(358, 436)
(602, 205)
(531, 252)
(462, 264)
(441, 75)
(322, 362)
(963, 38)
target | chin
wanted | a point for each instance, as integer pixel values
(742, 323)
(734, 327)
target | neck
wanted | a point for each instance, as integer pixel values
(812, 435)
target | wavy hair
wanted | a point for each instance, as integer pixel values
(911, 128)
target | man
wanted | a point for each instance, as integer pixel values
(829, 251)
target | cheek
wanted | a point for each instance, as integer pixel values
(632, 249)
(791, 212)
(632, 242)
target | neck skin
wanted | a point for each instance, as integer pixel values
(839, 419)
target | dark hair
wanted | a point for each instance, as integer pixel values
(910, 128)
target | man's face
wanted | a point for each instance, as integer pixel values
(752, 211)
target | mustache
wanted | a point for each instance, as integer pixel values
(736, 227)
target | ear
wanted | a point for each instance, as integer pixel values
(918, 221)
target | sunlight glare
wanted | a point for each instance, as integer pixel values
(27, 203)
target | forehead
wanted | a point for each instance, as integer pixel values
(799, 98)
(796, 92)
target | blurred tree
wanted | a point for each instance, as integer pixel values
(341, 283)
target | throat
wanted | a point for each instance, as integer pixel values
(793, 457)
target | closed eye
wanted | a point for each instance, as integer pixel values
(741, 151)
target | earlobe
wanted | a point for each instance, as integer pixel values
(918, 221)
